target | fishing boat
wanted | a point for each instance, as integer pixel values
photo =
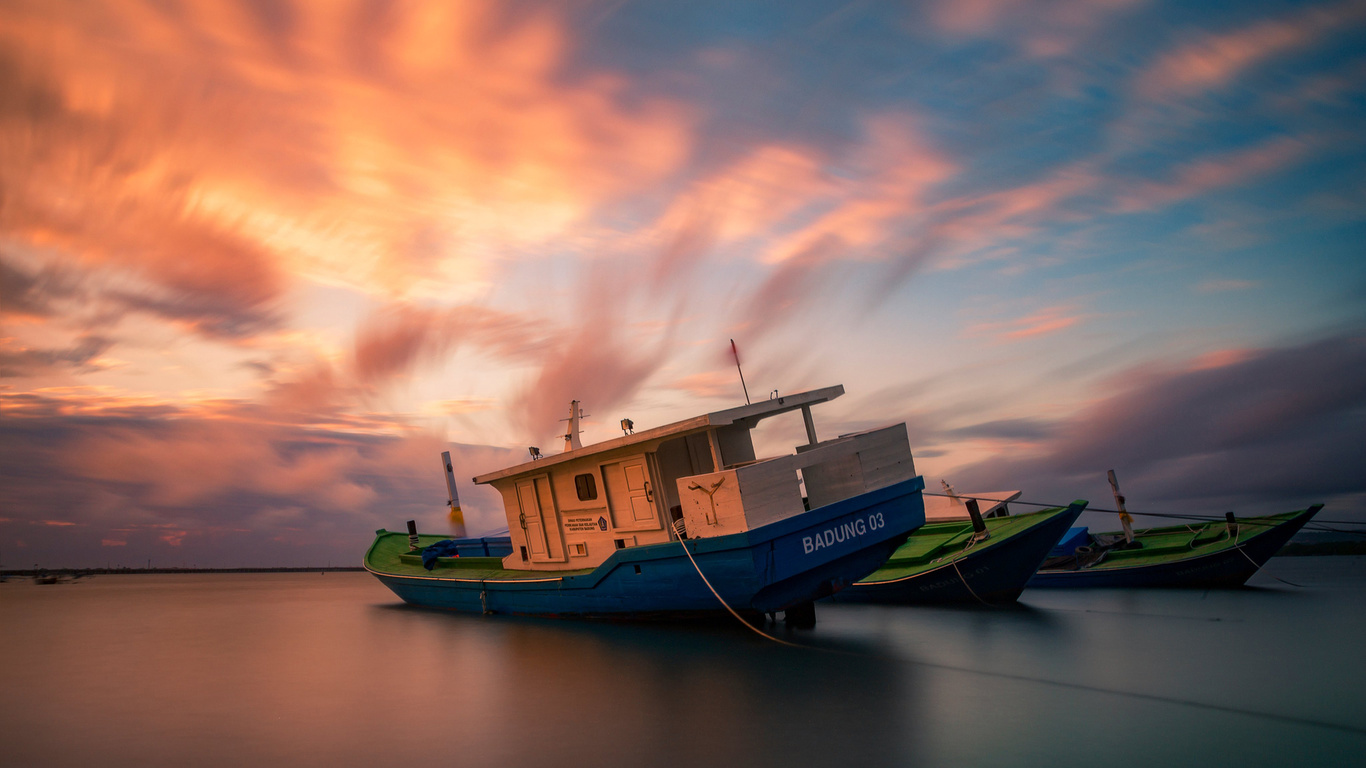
(1208, 553)
(677, 520)
(965, 553)
(1200, 553)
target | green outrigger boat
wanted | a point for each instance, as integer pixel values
(1202, 553)
(987, 560)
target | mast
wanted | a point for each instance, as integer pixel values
(571, 438)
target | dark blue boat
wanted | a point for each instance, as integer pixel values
(763, 570)
(677, 520)
(945, 562)
(1204, 554)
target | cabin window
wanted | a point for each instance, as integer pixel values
(578, 550)
(587, 486)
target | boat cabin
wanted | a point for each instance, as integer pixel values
(695, 478)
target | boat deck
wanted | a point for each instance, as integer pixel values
(936, 544)
(390, 555)
(1181, 541)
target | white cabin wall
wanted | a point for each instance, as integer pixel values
(587, 522)
(886, 457)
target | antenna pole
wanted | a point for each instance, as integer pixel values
(736, 352)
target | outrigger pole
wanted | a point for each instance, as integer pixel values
(1124, 519)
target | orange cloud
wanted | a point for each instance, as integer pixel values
(218, 155)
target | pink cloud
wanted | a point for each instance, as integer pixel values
(1045, 29)
(1206, 175)
(1042, 323)
(896, 169)
(1221, 358)
(400, 336)
(1214, 60)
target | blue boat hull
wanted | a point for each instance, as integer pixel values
(1225, 568)
(771, 568)
(993, 575)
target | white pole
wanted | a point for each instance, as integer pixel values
(457, 517)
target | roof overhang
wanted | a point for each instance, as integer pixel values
(745, 415)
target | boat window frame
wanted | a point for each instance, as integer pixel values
(586, 483)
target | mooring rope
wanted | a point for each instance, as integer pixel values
(969, 586)
(1257, 568)
(1315, 524)
(721, 600)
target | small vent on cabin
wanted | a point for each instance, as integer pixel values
(621, 543)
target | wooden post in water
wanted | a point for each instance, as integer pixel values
(1124, 518)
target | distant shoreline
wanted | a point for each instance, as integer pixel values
(78, 572)
(1292, 549)
(1295, 549)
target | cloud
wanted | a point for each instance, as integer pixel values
(400, 336)
(211, 479)
(1044, 322)
(1205, 175)
(393, 149)
(1251, 429)
(31, 296)
(1045, 29)
(1213, 60)
(21, 361)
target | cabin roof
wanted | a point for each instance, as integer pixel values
(753, 413)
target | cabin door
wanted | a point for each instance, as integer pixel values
(631, 495)
(536, 516)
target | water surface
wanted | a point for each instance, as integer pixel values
(313, 669)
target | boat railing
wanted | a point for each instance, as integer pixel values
(740, 498)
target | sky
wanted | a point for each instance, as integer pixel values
(262, 261)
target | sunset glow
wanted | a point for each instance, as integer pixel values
(260, 263)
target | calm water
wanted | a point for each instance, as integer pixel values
(309, 669)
